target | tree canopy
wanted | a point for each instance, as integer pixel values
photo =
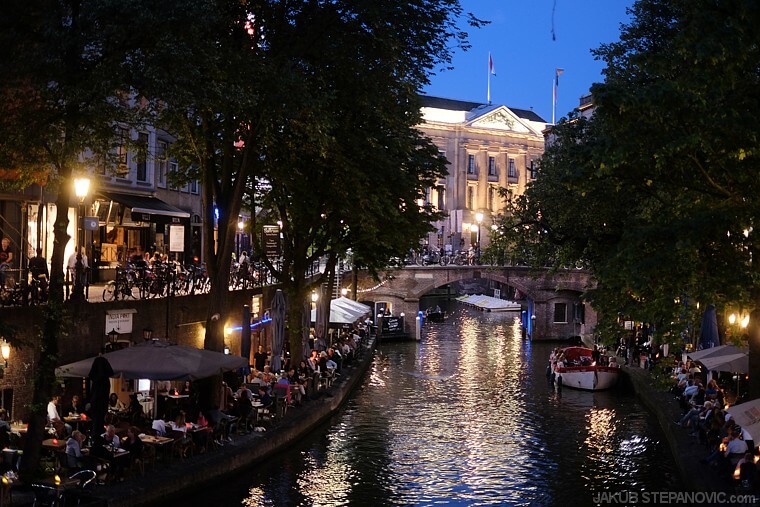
(655, 193)
(312, 103)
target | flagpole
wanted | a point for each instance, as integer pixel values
(488, 71)
(555, 85)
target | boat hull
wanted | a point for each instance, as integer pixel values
(588, 378)
(436, 316)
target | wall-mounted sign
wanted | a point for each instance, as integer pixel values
(176, 238)
(90, 223)
(270, 239)
(119, 321)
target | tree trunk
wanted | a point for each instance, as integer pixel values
(44, 372)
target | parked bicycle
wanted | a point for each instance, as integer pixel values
(121, 287)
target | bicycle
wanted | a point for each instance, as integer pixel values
(121, 287)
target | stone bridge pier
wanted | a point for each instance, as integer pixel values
(553, 308)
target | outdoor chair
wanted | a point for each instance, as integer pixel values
(182, 446)
(281, 400)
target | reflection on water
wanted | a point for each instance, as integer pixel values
(465, 417)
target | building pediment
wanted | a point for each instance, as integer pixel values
(500, 118)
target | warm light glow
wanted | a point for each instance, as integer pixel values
(745, 322)
(466, 226)
(279, 224)
(343, 291)
(5, 348)
(479, 217)
(494, 227)
(314, 297)
(241, 225)
(57, 480)
(474, 228)
(732, 319)
(81, 187)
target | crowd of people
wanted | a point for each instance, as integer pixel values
(247, 402)
(729, 448)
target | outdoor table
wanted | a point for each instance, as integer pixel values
(19, 428)
(77, 421)
(159, 443)
(55, 444)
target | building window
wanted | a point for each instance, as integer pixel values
(162, 163)
(470, 164)
(491, 166)
(172, 178)
(440, 201)
(560, 313)
(122, 169)
(533, 171)
(194, 187)
(470, 197)
(142, 157)
(512, 173)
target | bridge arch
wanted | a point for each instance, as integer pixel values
(548, 294)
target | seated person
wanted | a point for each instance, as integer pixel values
(55, 420)
(159, 426)
(115, 405)
(75, 408)
(268, 377)
(133, 444)
(180, 422)
(297, 384)
(74, 450)
(110, 438)
(221, 423)
(135, 410)
(264, 398)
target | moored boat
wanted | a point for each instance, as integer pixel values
(575, 367)
(435, 315)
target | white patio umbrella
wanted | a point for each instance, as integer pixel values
(747, 415)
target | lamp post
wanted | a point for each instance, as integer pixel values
(81, 188)
(479, 220)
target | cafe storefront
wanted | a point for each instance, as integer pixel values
(132, 224)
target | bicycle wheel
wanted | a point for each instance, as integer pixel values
(444, 260)
(110, 291)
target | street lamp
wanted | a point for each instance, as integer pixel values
(81, 188)
(479, 220)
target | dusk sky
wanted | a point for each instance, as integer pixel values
(525, 56)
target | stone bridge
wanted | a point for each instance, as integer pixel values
(552, 304)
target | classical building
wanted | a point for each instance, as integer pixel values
(488, 147)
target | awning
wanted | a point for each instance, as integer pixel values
(145, 204)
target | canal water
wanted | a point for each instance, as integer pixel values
(464, 417)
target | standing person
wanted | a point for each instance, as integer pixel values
(7, 256)
(260, 359)
(40, 275)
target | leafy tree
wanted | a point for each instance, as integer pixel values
(313, 102)
(655, 192)
(60, 71)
